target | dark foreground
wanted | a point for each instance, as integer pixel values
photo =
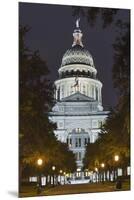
(30, 191)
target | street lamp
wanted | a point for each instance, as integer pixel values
(64, 177)
(116, 159)
(96, 169)
(60, 174)
(39, 163)
(53, 168)
(96, 173)
(102, 166)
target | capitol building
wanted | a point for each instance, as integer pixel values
(78, 111)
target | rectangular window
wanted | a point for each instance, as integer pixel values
(100, 124)
(76, 142)
(70, 141)
(79, 155)
(79, 142)
(60, 123)
(86, 141)
(76, 156)
(67, 141)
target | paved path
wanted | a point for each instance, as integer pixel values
(74, 189)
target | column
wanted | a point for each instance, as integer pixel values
(81, 88)
(87, 90)
(56, 93)
(100, 95)
(60, 92)
(94, 93)
(97, 93)
(66, 90)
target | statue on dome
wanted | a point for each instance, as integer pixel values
(76, 85)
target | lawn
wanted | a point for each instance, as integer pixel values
(29, 191)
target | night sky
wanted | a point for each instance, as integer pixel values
(51, 33)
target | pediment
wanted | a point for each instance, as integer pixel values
(77, 97)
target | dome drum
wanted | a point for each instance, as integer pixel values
(78, 73)
(87, 86)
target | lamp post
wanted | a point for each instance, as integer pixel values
(116, 159)
(39, 163)
(102, 166)
(64, 177)
(60, 174)
(119, 181)
(53, 168)
(96, 173)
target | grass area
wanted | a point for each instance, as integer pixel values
(29, 191)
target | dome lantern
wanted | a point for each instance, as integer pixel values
(77, 54)
(77, 34)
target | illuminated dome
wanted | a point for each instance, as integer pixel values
(77, 55)
(77, 61)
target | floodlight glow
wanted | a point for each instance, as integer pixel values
(102, 165)
(39, 161)
(116, 158)
(53, 168)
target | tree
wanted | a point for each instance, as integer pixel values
(107, 15)
(34, 97)
(36, 132)
(115, 134)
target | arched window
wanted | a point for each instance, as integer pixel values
(84, 87)
(83, 72)
(67, 141)
(77, 72)
(72, 72)
(67, 73)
